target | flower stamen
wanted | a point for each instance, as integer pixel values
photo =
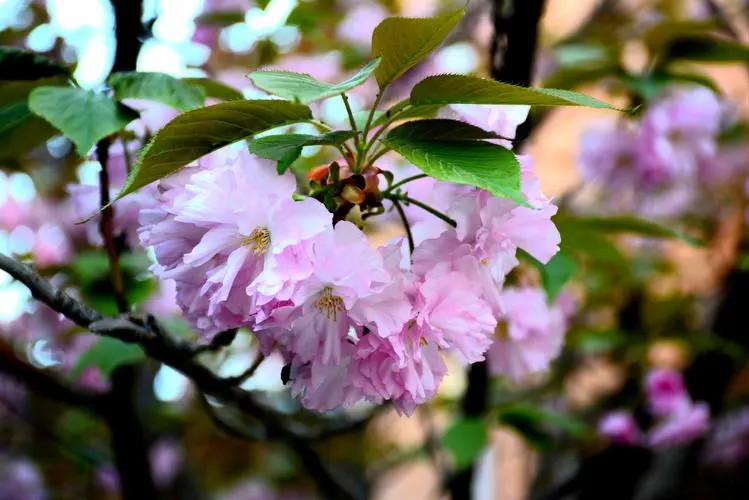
(330, 304)
(258, 241)
(502, 331)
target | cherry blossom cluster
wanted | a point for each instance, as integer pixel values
(679, 420)
(354, 322)
(660, 164)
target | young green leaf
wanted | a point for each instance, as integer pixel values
(106, 355)
(464, 89)
(17, 64)
(86, 116)
(196, 133)
(285, 149)
(160, 87)
(455, 155)
(465, 440)
(403, 42)
(217, 90)
(300, 87)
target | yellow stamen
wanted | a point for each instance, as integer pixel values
(502, 331)
(330, 304)
(258, 240)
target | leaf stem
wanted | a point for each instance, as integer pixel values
(368, 125)
(406, 225)
(405, 181)
(350, 112)
(410, 201)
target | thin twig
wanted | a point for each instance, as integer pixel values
(249, 372)
(405, 181)
(106, 227)
(406, 225)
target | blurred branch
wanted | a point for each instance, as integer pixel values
(177, 354)
(249, 372)
(46, 384)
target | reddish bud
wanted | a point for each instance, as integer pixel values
(318, 174)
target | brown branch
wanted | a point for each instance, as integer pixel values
(46, 384)
(249, 372)
(179, 355)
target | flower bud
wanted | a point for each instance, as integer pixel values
(318, 174)
(352, 194)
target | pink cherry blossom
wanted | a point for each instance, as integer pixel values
(223, 229)
(529, 336)
(348, 295)
(451, 313)
(666, 392)
(619, 427)
(678, 131)
(681, 427)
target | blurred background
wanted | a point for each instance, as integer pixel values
(642, 304)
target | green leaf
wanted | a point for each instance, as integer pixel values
(194, 134)
(464, 89)
(465, 440)
(89, 272)
(221, 18)
(83, 116)
(405, 112)
(661, 35)
(300, 87)
(285, 149)
(20, 129)
(650, 85)
(705, 48)
(586, 242)
(17, 64)
(535, 424)
(556, 273)
(106, 355)
(627, 224)
(402, 42)
(567, 78)
(598, 342)
(160, 87)
(215, 89)
(461, 159)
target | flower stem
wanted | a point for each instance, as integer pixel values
(410, 201)
(406, 225)
(405, 181)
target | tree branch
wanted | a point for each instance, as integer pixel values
(178, 354)
(46, 384)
